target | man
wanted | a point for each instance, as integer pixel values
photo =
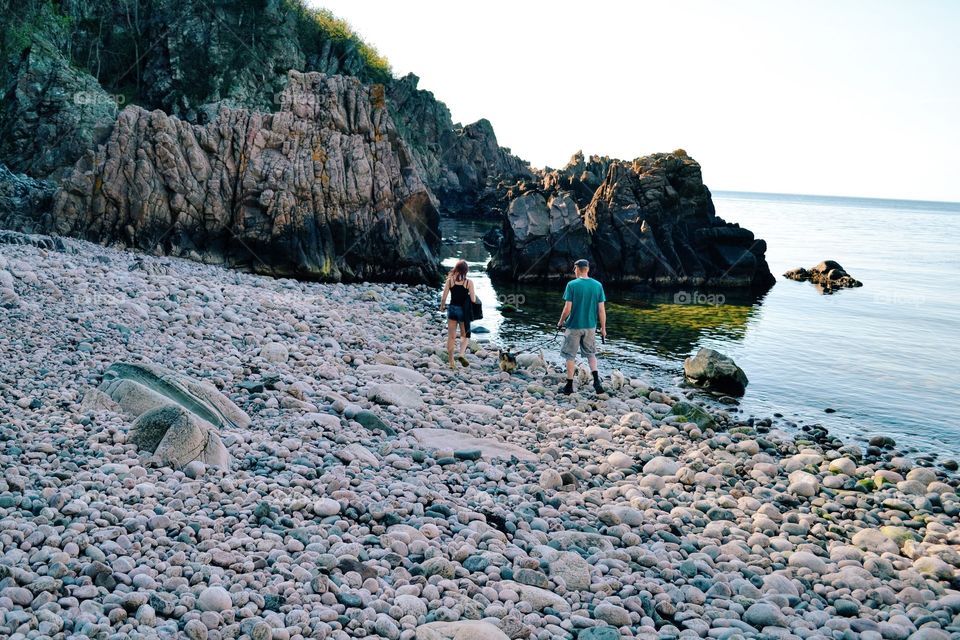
(583, 307)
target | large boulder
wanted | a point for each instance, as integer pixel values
(139, 387)
(649, 221)
(324, 188)
(176, 419)
(178, 437)
(828, 276)
(714, 371)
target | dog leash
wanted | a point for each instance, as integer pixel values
(603, 340)
(540, 344)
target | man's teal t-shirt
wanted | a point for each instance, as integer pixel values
(585, 294)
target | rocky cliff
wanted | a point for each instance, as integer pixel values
(213, 155)
(69, 65)
(458, 162)
(647, 221)
(324, 188)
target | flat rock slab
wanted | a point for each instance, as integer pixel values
(582, 539)
(460, 630)
(359, 452)
(488, 447)
(536, 597)
(395, 394)
(479, 412)
(398, 374)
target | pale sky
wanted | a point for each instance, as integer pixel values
(855, 98)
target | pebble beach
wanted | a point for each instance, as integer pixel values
(368, 491)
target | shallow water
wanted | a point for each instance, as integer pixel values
(882, 356)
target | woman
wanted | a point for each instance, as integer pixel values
(460, 289)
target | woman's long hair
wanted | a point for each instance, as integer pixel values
(459, 272)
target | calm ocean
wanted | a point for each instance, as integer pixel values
(884, 357)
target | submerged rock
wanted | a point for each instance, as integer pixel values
(714, 371)
(828, 276)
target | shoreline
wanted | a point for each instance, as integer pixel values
(493, 504)
(859, 431)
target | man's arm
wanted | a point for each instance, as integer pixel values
(602, 315)
(567, 306)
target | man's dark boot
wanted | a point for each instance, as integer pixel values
(567, 389)
(596, 383)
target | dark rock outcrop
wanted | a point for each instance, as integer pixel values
(214, 163)
(324, 188)
(24, 201)
(47, 243)
(650, 221)
(714, 371)
(828, 276)
(51, 114)
(458, 163)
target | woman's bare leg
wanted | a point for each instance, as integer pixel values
(451, 336)
(464, 340)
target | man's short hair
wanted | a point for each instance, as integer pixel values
(581, 264)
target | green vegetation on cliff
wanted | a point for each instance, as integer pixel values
(317, 27)
(179, 54)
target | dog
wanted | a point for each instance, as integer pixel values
(506, 361)
(617, 379)
(532, 361)
(584, 376)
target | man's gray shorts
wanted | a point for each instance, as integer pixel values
(583, 339)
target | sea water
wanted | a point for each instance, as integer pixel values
(879, 359)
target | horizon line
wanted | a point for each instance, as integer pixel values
(825, 195)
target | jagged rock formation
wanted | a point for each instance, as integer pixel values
(323, 188)
(213, 163)
(458, 162)
(192, 57)
(828, 276)
(649, 221)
